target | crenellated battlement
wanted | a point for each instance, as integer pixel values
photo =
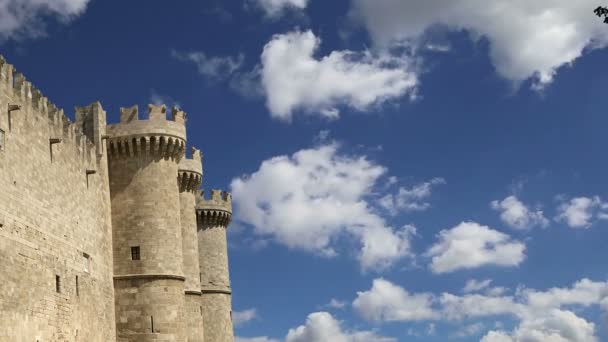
(30, 112)
(214, 211)
(156, 113)
(156, 136)
(190, 171)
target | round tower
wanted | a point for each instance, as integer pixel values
(147, 237)
(213, 219)
(189, 179)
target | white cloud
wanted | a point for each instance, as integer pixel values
(294, 80)
(388, 302)
(24, 17)
(254, 339)
(541, 315)
(555, 326)
(473, 285)
(336, 304)
(323, 327)
(477, 305)
(527, 39)
(240, 317)
(584, 292)
(308, 200)
(471, 245)
(516, 215)
(274, 8)
(579, 212)
(410, 199)
(219, 68)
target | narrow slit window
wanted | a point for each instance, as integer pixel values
(77, 288)
(85, 262)
(1, 140)
(152, 323)
(58, 284)
(135, 253)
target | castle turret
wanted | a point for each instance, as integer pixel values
(147, 238)
(213, 218)
(189, 179)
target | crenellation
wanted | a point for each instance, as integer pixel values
(178, 116)
(77, 196)
(157, 112)
(196, 154)
(220, 200)
(129, 114)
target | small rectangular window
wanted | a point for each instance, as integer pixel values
(1, 140)
(58, 284)
(85, 262)
(135, 253)
(77, 289)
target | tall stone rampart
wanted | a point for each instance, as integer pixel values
(55, 223)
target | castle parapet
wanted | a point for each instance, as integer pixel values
(28, 107)
(156, 136)
(215, 211)
(190, 171)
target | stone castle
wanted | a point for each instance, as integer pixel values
(103, 234)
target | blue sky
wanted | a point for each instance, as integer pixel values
(401, 170)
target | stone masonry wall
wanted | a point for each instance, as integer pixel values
(54, 221)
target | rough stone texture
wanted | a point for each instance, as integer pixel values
(217, 315)
(139, 301)
(75, 197)
(194, 318)
(189, 181)
(51, 215)
(213, 218)
(146, 214)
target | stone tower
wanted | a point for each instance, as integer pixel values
(147, 235)
(213, 217)
(189, 179)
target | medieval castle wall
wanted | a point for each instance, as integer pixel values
(55, 220)
(103, 236)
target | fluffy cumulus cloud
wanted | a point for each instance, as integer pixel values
(581, 212)
(323, 327)
(540, 315)
(388, 302)
(410, 199)
(308, 200)
(25, 17)
(274, 8)
(527, 39)
(294, 79)
(470, 245)
(554, 326)
(516, 214)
